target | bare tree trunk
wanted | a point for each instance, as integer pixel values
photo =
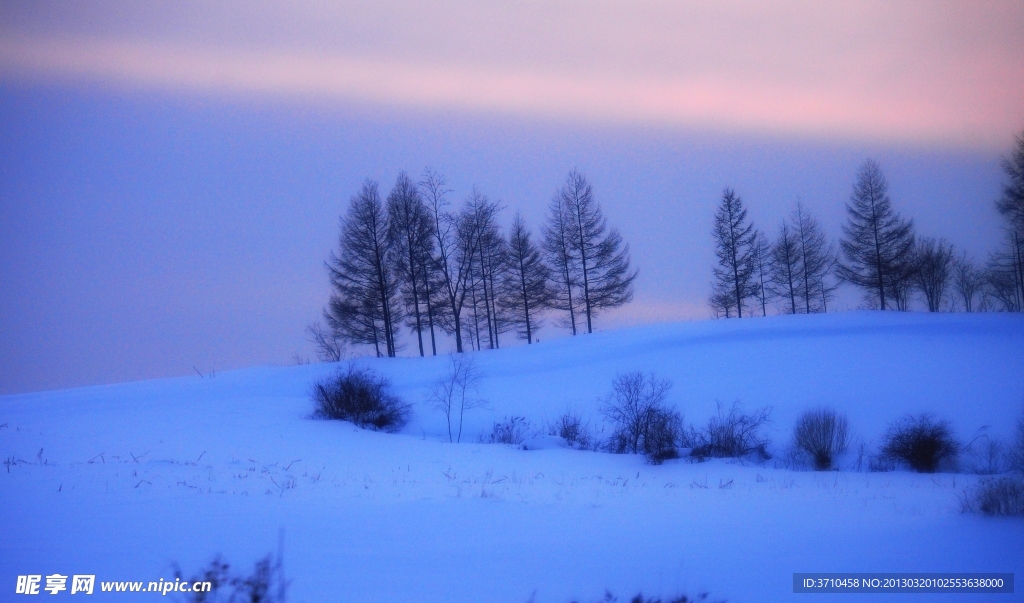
(430, 315)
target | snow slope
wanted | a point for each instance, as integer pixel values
(122, 480)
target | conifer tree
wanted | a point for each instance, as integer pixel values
(605, 276)
(786, 268)
(564, 265)
(762, 271)
(365, 308)
(411, 234)
(526, 287)
(1010, 262)
(877, 242)
(817, 261)
(734, 247)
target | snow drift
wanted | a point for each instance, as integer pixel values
(121, 481)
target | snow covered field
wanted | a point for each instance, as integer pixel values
(122, 480)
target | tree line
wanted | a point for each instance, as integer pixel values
(415, 260)
(879, 253)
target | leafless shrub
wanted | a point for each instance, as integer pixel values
(985, 455)
(266, 584)
(455, 393)
(664, 432)
(822, 434)
(732, 434)
(921, 442)
(361, 396)
(642, 423)
(571, 428)
(510, 431)
(218, 574)
(1017, 449)
(996, 496)
(330, 347)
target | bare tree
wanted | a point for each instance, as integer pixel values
(457, 237)
(786, 273)
(827, 286)
(455, 393)
(900, 282)
(1003, 273)
(559, 255)
(493, 258)
(734, 248)
(474, 297)
(411, 233)
(603, 258)
(967, 280)
(762, 270)
(1011, 203)
(877, 242)
(364, 308)
(817, 261)
(433, 286)
(1010, 263)
(330, 346)
(526, 288)
(934, 265)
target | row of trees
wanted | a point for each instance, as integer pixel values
(879, 253)
(413, 259)
(752, 271)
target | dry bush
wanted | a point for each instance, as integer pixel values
(731, 435)
(330, 346)
(1017, 450)
(822, 434)
(642, 423)
(664, 433)
(361, 396)
(266, 584)
(921, 442)
(985, 456)
(570, 427)
(510, 431)
(997, 496)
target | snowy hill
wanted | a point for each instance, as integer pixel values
(123, 480)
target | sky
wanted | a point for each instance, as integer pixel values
(172, 174)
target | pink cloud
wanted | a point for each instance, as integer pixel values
(918, 72)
